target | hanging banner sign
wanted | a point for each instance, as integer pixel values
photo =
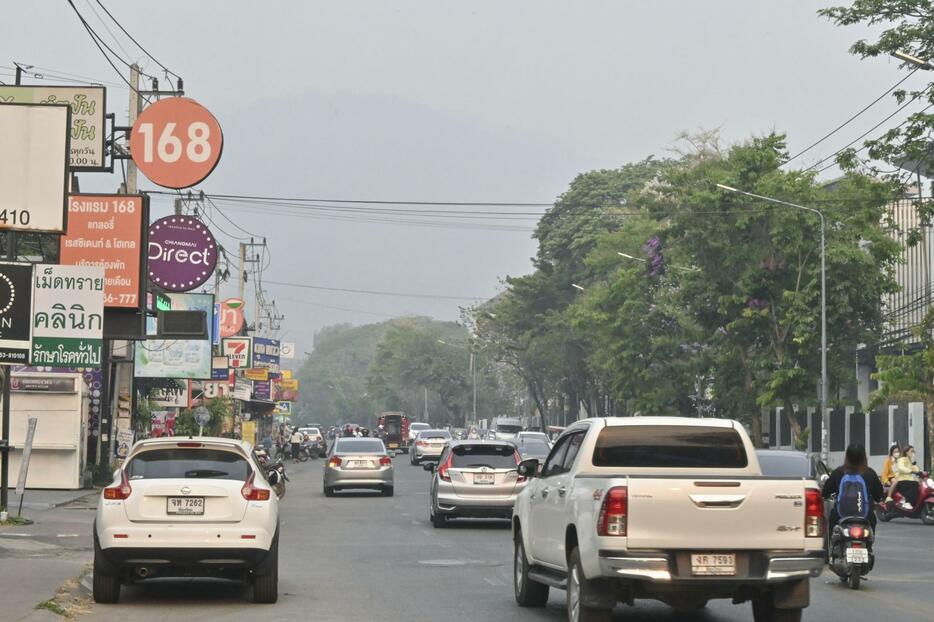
(266, 353)
(182, 253)
(219, 369)
(238, 352)
(176, 142)
(15, 312)
(88, 110)
(107, 231)
(123, 442)
(231, 317)
(256, 373)
(243, 390)
(68, 316)
(288, 384)
(34, 167)
(262, 390)
(162, 423)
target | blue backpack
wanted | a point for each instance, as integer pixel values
(853, 496)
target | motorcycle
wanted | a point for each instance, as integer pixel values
(261, 456)
(851, 555)
(277, 477)
(923, 509)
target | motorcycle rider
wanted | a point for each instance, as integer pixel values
(855, 463)
(906, 478)
(888, 470)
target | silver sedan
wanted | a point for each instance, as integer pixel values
(358, 463)
(428, 445)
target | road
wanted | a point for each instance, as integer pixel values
(362, 556)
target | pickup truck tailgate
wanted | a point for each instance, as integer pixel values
(711, 514)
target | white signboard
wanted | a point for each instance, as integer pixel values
(287, 350)
(243, 390)
(34, 167)
(170, 396)
(68, 316)
(88, 112)
(238, 351)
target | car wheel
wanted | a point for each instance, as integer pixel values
(266, 585)
(388, 491)
(106, 578)
(328, 491)
(763, 610)
(577, 611)
(529, 593)
(415, 461)
(438, 520)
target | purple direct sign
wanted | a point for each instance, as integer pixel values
(182, 253)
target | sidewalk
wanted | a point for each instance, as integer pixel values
(46, 499)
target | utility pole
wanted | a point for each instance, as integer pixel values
(134, 109)
(178, 207)
(241, 270)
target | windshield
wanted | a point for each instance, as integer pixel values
(359, 446)
(476, 456)
(666, 446)
(188, 464)
(508, 429)
(777, 464)
(434, 434)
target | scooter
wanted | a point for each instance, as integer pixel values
(277, 477)
(923, 509)
(851, 555)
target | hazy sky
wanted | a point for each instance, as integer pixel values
(453, 101)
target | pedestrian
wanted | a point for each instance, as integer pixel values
(296, 442)
(888, 470)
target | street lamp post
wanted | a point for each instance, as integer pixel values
(825, 424)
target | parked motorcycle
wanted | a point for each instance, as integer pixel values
(277, 477)
(851, 555)
(923, 509)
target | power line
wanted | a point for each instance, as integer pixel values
(375, 293)
(851, 119)
(146, 52)
(110, 32)
(374, 202)
(318, 304)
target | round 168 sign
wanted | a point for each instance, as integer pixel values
(176, 142)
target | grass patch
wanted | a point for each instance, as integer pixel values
(54, 607)
(14, 521)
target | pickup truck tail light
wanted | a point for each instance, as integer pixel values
(251, 492)
(120, 491)
(814, 523)
(614, 512)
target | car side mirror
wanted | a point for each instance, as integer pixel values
(528, 468)
(823, 479)
(429, 466)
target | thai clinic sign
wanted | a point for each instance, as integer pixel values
(34, 167)
(231, 317)
(68, 316)
(107, 231)
(256, 373)
(176, 142)
(15, 312)
(88, 112)
(182, 253)
(238, 352)
(266, 353)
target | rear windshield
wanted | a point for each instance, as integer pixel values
(784, 465)
(508, 429)
(360, 446)
(188, 463)
(441, 434)
(534, 446)
(492, 456)
(419, 426)
(665, 446)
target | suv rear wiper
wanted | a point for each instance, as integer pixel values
(205, 473)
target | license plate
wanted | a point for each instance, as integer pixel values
(857, 556)
(192, 506)
(485, 479)
(713, 564)
(393, 445)
(359, 464)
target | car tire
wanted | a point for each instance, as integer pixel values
(764, 610)
(266, 580)
(105, 578)
(529, 593)
(388, 491)
(328, 491)
(414, 461)
(576, 610)
(438, 520)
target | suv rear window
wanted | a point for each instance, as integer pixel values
(665, 446)
(360, 445)
(188, 464)
(492, 456)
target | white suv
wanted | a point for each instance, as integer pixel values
(187, 507)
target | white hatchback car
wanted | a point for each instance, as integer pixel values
(187, 507)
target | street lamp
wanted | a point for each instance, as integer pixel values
(576, 286)
(825, 424)
(912, 60)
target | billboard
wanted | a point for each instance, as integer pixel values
(68, 316)
(88, 109)
(182, 253)
(266, 353)
(15, 312)
(177, 358)
(230, 317)
(238, 351)
(34, 167)
(107, 231)
(174, 395)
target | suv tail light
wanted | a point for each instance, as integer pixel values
(335, 461)
(385, 461)
(613, 512)
(422, 443)
(120, 491)
(251, 492)
(813, 514)
(443, 468)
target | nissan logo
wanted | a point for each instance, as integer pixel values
(186, 490)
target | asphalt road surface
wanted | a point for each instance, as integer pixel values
(367, 557)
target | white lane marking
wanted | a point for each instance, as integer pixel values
(68, 535)
(16, 535)
(494, 581)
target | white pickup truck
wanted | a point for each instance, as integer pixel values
(665, 508)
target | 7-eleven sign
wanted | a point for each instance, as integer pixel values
(238, 351)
